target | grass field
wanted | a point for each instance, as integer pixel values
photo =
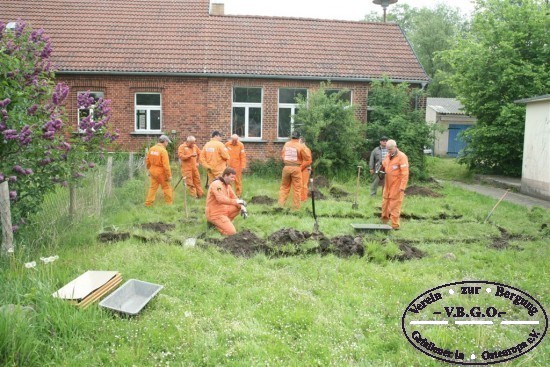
(309, 309)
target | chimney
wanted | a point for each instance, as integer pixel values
(217, 9)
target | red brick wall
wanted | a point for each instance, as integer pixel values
(195, 106)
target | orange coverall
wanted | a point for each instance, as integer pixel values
(237, 161)
(158, 164)
(189, 156)
(397, 176)
(294, 155)
(214, 158)
(222, 207)
(305, 174)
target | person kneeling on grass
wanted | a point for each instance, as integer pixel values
(222, 205)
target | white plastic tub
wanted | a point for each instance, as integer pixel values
(131, 297)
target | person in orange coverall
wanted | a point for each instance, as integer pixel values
(188, 154)
(396, 167)
(222, 205)
(294, 155)
(237, 161)
(158, 164)
(214, 156)
(306, 171)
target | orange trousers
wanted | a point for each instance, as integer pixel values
(193, 181)
(157, 181)
(292, 176)
(224, 223)
(239, 183)
(213, 174)
(391, 209)
(305, 182)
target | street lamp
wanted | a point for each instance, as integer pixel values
(385, 4)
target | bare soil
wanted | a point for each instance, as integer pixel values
(113, 236)
(409, 252)
(158, 227)
(321, 181)
(288, 235)
(262, 199)
(422, 191)
(346, 246)
(244, 244)
(318, 195)
(338, 192)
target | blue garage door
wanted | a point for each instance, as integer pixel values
(456, 144)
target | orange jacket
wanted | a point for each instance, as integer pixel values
(185, 153)
(397, 174)
(157, 161)
(214, 155)
(295, 153)
(220, 199)
(237, 156)
(307, 163)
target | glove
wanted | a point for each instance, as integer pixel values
(244, 213)
(241, 202)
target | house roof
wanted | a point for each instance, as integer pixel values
(180, 37)
(542, 98)
(446, 106)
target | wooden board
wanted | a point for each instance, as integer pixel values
(100, 292)
(371, 227)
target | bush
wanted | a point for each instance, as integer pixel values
(271, 168)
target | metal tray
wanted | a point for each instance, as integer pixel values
(131, 297)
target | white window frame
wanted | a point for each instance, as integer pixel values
(148, 109)
(90, 109)
(292, 107)
(247, 106)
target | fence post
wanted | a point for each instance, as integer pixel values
(109, 178)
(131, 165)
(5, 216)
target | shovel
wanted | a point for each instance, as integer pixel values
(316, 225)
(355, 204)
(185, 199)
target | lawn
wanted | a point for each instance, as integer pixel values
(291, 305)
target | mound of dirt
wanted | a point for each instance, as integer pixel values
(321, 181)
(318, 195)
(338, 192)
(245, 244)
(346, 246)
(262, 199)
(158, 227)
(288, 235)
(409, 252)
(422, 191)
(113, 236)
(502, 242)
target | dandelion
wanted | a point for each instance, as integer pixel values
(50, 259)
(30, 265)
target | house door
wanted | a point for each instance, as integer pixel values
(456, 144)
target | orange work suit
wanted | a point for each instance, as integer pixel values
(397, 176)
(158, 164)
(189, 157)
(237, 161)
(294, 155)
(214, 158)
(222, 207)
(305, 174)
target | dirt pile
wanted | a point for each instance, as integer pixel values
(113, 236)
(422, 191)
(321, 181)
(288, 235)
(158, 227)
(409, 252)
(262, 199)
(244, 244)
(346, 246)
(318, 195)
(338, 192)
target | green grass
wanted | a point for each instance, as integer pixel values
(217, 309)
(448, 169)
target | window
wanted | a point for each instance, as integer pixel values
(247, 112)
(148, 112)
(345, 96)
(85, 112)
(288, 107)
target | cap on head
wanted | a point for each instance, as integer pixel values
(384, 138)
(295, 134)
(216, 133)
(164, 138)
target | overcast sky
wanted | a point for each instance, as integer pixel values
(325, 9)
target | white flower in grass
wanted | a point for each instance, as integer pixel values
(11, 250)
(188, 314)
(50, 259)
(32, 264)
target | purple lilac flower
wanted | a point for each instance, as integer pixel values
(36, 35)
(18, 169)
(5, 102)
(10, 134)
(2, 28)
(91, 165)
(29, 171)
(13, 195)
(12, 179)
(1, 177)
(47, 51)
(84, 100)
(32, 109)
(14, 228)
(60, 93)
(45, 162)
(19, 27)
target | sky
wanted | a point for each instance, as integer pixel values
(325, 9)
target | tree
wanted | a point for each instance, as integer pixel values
(503, 58)
(38, 148)
(393, 117)
(328, 123)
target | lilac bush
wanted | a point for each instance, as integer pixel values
(37, 147)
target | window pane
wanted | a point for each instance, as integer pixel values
(238, 120)
(141, 120)
(346, 96)
(253, 95)
(155, 119)
(148, 99)
(284, 122)
(254, 122)
(288, 95)
(96, 95)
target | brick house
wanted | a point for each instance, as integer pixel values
(175, 67)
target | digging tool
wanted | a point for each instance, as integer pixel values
(185, 199)
(498, 202)
(316, 225)
(355, 204)
(175, 187)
